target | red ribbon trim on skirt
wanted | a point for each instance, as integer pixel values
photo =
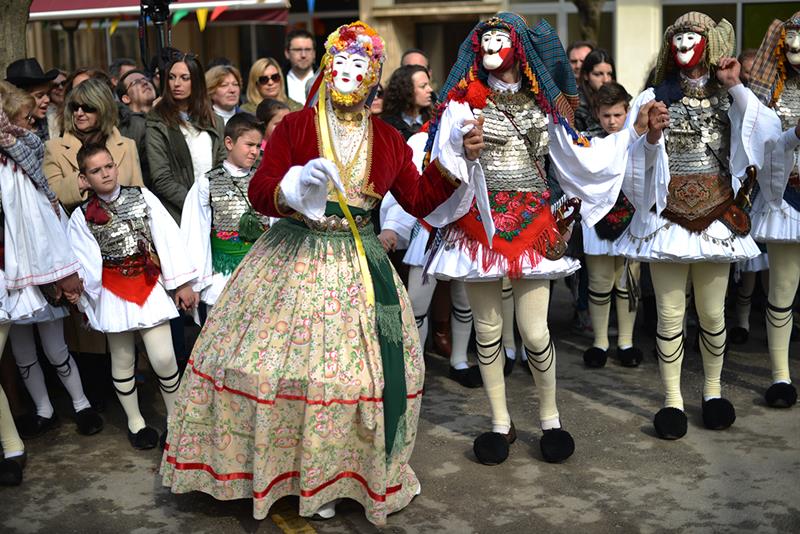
(314, 402)
(132, 288)
(196, 466)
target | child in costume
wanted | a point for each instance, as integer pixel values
(23, 152)
(132, 255)
(218, 223)
(608, 272)
(307, 378)
(34, 252)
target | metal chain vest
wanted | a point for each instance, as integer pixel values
(515, 132)
(788, 109)
(228, 202)
(697, 127)
(129, 224)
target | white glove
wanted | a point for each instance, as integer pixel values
(306, 188)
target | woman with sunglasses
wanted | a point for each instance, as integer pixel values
(90, 117)
(184, 135)
(56, 94)
(266, 81)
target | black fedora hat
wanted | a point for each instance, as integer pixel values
(27, 72)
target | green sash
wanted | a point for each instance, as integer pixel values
(390, 325)
(226, 254)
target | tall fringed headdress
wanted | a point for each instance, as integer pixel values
(720, 42)
(544, 64)
(769, 68)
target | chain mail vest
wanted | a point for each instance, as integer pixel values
(228, 199)
(515, 132)
(698, 145)
(129, 224)
(788, 109)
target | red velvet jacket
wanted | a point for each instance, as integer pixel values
(296, 141)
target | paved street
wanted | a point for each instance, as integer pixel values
(621, 478)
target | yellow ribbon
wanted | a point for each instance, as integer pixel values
(327, 153)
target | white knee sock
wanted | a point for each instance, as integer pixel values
(158, 343)
(24, 348)
(509, 342)
(784, 261)
(460, 325)
(52, 335)
(123, 360)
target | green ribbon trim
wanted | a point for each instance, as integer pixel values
(387, 306)
(227, 254)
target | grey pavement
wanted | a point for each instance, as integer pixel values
(621, 478)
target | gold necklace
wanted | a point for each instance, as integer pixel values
(346, 170)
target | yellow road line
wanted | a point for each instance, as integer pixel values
(286, 518)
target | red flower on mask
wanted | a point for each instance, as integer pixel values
(95, 213)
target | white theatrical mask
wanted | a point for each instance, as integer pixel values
(349, 70)
(492, 42)
(685, 43)
(792, 44)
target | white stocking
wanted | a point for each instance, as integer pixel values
(420, 295)
(460, 324)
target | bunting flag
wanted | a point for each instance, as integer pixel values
(113, 27)
(219, 10)
(311, 6)
(202, 18)
(178, 15)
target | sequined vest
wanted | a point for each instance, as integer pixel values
(515, 132)
(788, 109)
(698, 145)
(228, 199)
(127, 227)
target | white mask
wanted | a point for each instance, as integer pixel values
(792, 44)
(349, 70)
(684, 43)
(492, 42)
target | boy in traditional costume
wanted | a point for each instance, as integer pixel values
(132, 254)
(307, 378)
(775, 79)
(519, 80)
(218, 223)
(687, 223)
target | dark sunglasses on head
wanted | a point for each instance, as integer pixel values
(74, 106)
(275, 78)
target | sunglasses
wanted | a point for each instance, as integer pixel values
(275, 78)
(74, 106)
(60, 84)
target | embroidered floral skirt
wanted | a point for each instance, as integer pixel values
(283, 392)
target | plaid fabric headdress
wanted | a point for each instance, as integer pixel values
(543, 62)
(769, 68)
(720, 42)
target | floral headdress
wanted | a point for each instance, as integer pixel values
(769, 68)
(354, 38)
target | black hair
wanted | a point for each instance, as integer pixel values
(87, 151)
(399, 95)
(121, 90)
(294, 34)
(580, 44)
(241, 123)
(611, 94)
(218, 62)
(116, 66)
(268, 108)
(414, 51)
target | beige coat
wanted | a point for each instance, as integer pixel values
(61, 165)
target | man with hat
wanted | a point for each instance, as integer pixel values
(28, 75)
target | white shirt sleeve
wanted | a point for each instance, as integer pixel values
(177, 266)
(196, 231)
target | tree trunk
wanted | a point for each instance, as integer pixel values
(13, 23)
(589, 15)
